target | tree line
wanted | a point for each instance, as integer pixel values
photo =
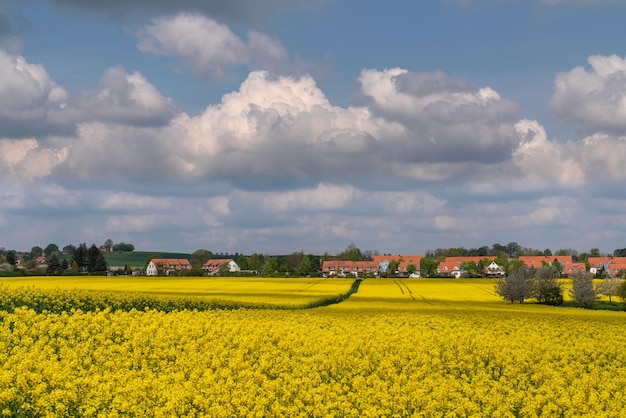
(543, 285)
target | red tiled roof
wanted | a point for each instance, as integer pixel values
(172, 263)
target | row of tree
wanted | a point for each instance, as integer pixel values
(543, 285)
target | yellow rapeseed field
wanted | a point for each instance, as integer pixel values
(411, 347)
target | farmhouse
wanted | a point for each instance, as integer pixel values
(453, 266)
(167, 266)
(213, 266)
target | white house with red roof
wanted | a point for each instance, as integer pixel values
(167, 266)
(213, 266)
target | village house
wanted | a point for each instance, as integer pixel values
(380, 264)
(611, 265)
(167, 266)
(338, 268)
(453, 266)
(383, 262)
(212, 267)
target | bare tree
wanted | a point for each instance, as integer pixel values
(546, 287)
(582, 292)
(516, 286)
(609, 287)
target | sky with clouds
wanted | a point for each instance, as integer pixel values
(276, 126)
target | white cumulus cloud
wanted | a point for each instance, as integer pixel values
(207, 47)
(593, 98)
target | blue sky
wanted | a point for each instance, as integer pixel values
(273, 126)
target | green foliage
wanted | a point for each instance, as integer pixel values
(122, 247)
(255, 262)
(351, 253)
(80, 256)
(393, 268)
(271, 266)
(428, 267)
(304, 268)
(411, 269)
(50, 248)
(54, 266)
(199, 257)
(11, 257)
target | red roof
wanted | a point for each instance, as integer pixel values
(172, 263)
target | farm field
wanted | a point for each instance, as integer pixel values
(277, 291)
(413, 347)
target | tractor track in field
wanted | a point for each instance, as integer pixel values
(400, 283)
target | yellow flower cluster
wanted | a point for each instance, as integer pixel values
(370, 356)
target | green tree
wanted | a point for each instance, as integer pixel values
(242, 261)
(351, 253)
(35, 252)
(64, 266)
(69, 249)
(546, 287)
(93, 253)
(411, 269)
(582, 292)
(428, 267)
(516, 287)
(50, 248)
(80, 256)
(11, 257)
(123, 247)
(199, 257)
(255, 262)
(304, 269)
(293, 261)
(271, 267)
(101, 263)
(54, 265)
(514, 265)
(392, 270)
(469, 268)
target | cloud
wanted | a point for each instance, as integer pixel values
(28, 97)
(546, 163)
(207, 47)
(122, 98)
(593, 99)
(443, 119)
